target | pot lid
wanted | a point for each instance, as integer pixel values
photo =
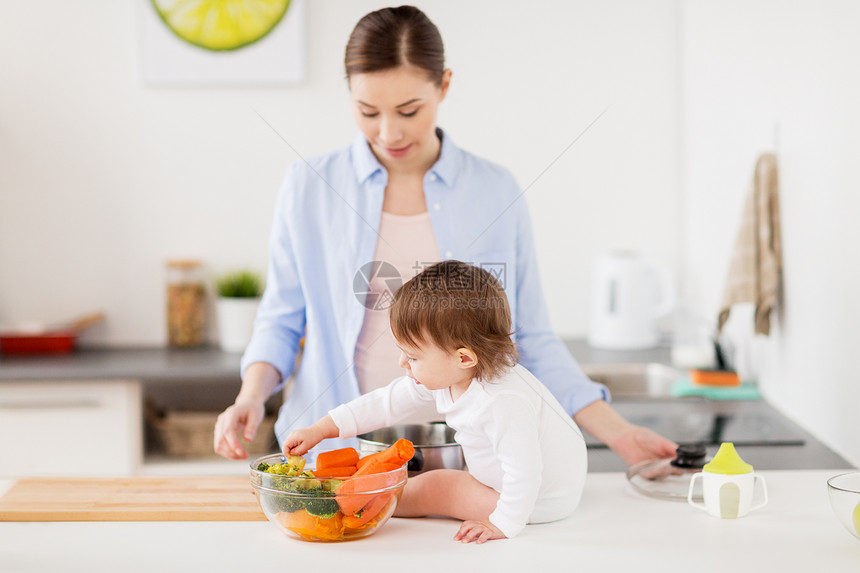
(669, 478)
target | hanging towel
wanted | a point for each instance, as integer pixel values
(756, 263)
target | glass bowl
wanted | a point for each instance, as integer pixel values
(325, 509)
(844, 491)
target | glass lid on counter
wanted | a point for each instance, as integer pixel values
(669, 478)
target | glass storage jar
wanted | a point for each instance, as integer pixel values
(186, 303)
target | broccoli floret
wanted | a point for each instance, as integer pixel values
(281, 503)
(297, 464)
(313, 495)
(322, 505)
(331, 484)
(294, 466)
(278, 469)
(318, 502)
(307, 484)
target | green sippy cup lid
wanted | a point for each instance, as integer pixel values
(727, 462)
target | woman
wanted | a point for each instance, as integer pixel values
(401, 197)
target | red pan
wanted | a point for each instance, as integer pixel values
(49, 340)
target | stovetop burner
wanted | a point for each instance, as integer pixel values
(708, 422)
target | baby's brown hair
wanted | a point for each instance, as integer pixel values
(457, 305)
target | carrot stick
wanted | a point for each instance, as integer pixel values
(311, 527)
(357, 491)
(373, 476)
(398, 453)
(337, 458)
(371, 510)
(383, 468)
(371, 458)
(336, 471)
(368, 458)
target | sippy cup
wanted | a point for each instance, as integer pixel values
(727, 484)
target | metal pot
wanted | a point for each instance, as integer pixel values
(434, 444)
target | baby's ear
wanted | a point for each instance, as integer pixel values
(467, 358)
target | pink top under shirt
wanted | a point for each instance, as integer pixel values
(409, 245)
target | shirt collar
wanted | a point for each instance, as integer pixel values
(450, 158)
(446, 167)
(363, 160)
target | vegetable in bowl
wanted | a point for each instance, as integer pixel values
(314, 496)
(315, 505)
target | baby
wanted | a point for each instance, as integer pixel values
(526, 458)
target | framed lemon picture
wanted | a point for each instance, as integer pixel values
(193, 42)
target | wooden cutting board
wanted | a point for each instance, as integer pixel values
(131, 499)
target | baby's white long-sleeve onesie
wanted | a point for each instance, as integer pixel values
(516, 438)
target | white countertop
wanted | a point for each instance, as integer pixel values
(614, 529)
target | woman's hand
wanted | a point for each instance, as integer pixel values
(478, 531)
(638, 444)
(632, 443)
(298, 442)
(244, 417)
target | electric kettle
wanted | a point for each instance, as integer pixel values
(630, 295)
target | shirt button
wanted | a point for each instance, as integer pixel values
(437, 206)
(449, 254)
(432, 177)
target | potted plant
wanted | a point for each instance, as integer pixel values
(239, 295)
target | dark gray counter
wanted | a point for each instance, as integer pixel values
(192, 365)
(208, 363)
(146, 364)
(197, 379)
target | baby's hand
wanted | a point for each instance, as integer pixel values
(298, 442)
(478, 531)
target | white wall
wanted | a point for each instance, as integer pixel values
(750, 66)
(103, 178)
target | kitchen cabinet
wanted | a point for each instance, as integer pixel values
(82, 413)
(63, 428)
